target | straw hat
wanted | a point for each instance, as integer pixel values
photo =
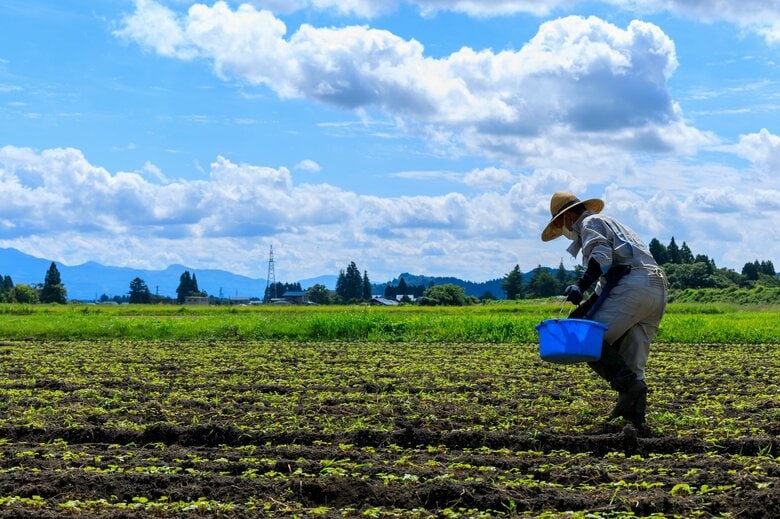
(562, 202)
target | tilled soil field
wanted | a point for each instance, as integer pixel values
(380, 430)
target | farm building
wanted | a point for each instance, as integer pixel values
(295, 297)
(383, 301)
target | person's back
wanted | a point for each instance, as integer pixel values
(626, 247)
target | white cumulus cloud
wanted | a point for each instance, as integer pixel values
(60, 206)
(308, 165)
(488, 177)
(759, 16)
(578, 82)
(762, 149)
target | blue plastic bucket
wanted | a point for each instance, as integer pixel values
(566, 341)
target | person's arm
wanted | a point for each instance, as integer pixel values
(574, 292)
(597, 243)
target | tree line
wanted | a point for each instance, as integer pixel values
(140, 294)
(187, 288)
(683, 269)
(50, 291)
(354, 287)
(278, 289)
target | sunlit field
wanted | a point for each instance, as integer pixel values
(143, 411)
(506, 322)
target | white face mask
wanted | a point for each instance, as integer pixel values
(576, 241)
(567, 232)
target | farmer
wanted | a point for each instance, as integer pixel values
(635, 290)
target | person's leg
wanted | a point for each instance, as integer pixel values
(634, 347)
(631, 312)
(637, 348)
(613, 368)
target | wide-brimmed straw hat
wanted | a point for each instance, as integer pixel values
(562, 202)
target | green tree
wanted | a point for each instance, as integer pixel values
(659, 252)
(53, 291)
(318, 294)
(673, 252)
(341, 285)
(562, 277)
(691, 275)
(139, 292)
(750, 270)
(182, 291)
(446, 294)
(278, 289)
(25, 294)
(6, 290)
(686, 256)
(754, 270)
(366, 286)
(513, 284)
(349, 286)
(542, 284)
(402, 288)
(188, 286)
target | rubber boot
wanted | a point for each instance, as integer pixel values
(612, 368)
(636, 415)
(631, 394)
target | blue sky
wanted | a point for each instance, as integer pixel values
(413, 135)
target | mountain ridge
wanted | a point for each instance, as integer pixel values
(90, 280)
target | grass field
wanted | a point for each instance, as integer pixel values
(375, 412)
(511, 322)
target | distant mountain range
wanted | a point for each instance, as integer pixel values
(88, 281)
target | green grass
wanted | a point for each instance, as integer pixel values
(501, 322)
(749, 296)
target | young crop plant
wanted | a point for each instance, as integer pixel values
(441, 416)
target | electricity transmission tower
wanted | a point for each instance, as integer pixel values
(270, 284)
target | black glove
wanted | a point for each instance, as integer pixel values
(573, 294)
(591, 275)
(582, 310)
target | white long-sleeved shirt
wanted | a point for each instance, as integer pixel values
(610, 243)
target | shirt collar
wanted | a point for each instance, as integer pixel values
(576, 244)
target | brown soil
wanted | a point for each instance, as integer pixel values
(615, 471)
